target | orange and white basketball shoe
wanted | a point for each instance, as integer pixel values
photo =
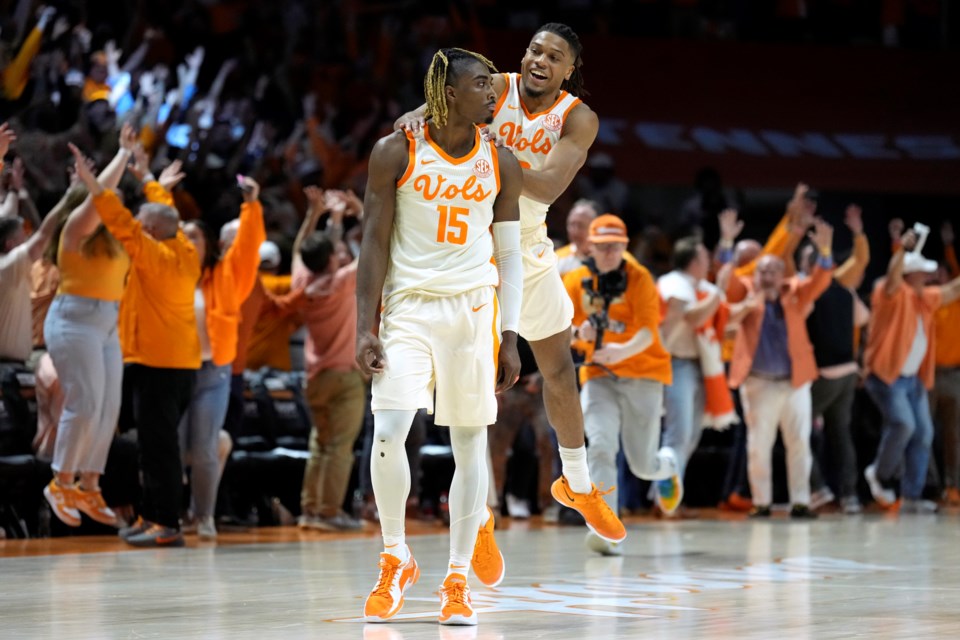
(396, 577)
(455, 604)
(599, 516)
(487, 561)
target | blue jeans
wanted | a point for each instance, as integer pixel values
(683, 420)
(200, 434)
(82, 340)
(907, 432)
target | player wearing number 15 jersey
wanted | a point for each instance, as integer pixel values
(440, 205)
(540, 115)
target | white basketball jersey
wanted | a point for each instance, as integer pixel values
(441, 243)
(531, 136)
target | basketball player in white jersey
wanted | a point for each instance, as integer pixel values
(440, 205)
(540, 116)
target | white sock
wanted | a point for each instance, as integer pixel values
(399, 550)
(667, 463)
(575, 470)
(390, 472)
(468, 494)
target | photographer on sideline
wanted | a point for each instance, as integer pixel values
(616, 314)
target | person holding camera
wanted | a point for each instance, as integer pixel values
(616, 314)
(900, 358)
(773, 366)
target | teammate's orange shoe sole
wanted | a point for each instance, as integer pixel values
(487, 562)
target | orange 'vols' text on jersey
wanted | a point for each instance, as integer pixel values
(441, 243)
(531, 136)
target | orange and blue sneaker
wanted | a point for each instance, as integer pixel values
(156, 535)
(599, 516)
(669, 494)
(455, 604)
(487, 561)
(396, 576)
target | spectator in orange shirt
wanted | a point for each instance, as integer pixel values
(900, 358)
(161, 349)
(81, 333)
(275, 322)
(225, 284)
(626, 368)
(773, 365)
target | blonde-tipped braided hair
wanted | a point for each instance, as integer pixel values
(438, 76)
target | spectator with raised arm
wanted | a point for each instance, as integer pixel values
(229, 270)
(161, 349)
(336, 390)
(773, 366)
(834, 326)
(81, 334)
(901, 361)
(17, 253)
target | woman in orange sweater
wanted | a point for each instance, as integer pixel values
(224, 284)
(82, 340)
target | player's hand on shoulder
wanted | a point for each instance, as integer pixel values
(489, 135)
(411, 121)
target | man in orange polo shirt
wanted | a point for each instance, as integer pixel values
(773, 365)
(900, 358)
(623, 379)
(161, 348)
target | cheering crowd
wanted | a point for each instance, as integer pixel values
(133, 256)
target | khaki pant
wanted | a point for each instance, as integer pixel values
(336, 400)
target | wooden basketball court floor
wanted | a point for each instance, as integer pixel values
(875, 576)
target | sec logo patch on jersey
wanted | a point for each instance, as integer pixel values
(482, 169)
(552, 122)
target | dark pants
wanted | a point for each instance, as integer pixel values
(945, 408)
(159, 399)
(833, 399)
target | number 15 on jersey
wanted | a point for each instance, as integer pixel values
(451, 228)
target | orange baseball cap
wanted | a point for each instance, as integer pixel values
(608, 228)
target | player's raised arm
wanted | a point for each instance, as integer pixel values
(388, 162)
(565, 159)
(506, 250)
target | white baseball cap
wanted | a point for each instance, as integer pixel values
(269, 255)
(914, 262)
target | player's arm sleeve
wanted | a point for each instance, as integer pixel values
(506, 247)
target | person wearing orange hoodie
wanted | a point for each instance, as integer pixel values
(223, 286)
(161, 348)
(616, 318)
